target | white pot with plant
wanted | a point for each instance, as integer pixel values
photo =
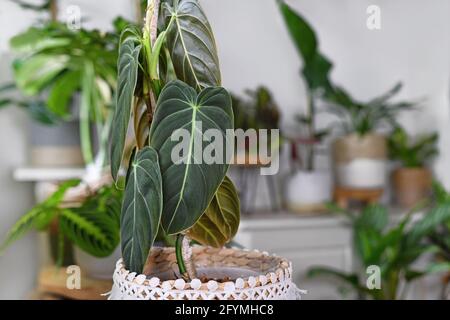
(412, 179)
(360, 155)
(183, 199)
(309, 188)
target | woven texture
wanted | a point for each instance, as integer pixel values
(270, 277)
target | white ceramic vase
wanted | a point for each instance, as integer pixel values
(308, 191)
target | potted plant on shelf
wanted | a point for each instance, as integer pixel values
(360, 155)
(412, 180)
(393, 249)
(188, 198)
(92, 226)
(310, 188)
(67, 78)
(258, 111)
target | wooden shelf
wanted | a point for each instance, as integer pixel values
(40, 174)
(52, 285)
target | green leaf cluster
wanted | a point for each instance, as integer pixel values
(93, 226)
(355, 116)
(169, 79)
(394, 249)
(412, 153)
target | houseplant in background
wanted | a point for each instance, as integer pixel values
(92, 226)
(412, 180)
(360, 155)
(309, 189)
(393, 249)
(258, 110)
(183, 198)
(71, 76)
(440, 237)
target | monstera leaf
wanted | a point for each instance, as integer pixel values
(141, 208)
(220, 222)
(191, 43)
(189, 184)
(128, 65)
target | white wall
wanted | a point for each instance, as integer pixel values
(412, 46)
(254, 46)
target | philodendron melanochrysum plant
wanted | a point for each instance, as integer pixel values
(169, 79)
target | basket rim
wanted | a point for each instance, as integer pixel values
(282, 273)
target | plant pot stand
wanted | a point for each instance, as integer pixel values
(240, 275)
(343, 196)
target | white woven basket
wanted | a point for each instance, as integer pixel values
(265, 277)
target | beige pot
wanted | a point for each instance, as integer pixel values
(411, 185)
(360, 161)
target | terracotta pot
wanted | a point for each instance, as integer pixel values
(411, 185)
(360, 161)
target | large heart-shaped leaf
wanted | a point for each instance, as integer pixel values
(220, 222)
(191, 43)
(141, 209)
(128, 66)
(189, 185)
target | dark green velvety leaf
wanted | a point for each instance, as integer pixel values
(128, 66)
(189, 186)
(191, 43)
(141, 209)
(220, 222)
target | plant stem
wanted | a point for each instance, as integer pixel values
(183, 253)
(311, 132)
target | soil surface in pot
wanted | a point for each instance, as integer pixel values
(219, 274)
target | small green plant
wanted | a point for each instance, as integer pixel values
(393, 249)
(93, 226)
(258, 111)
(412, 153)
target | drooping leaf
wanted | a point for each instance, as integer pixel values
(220, 222)
(190, 183)
(191, 43)
(62, 91)
(40, 216)
(141, 209)
(94, 227)
(128, 66)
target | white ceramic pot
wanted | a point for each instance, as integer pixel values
(247, 275)
(98, 268)
(360, 161)
(308, 191)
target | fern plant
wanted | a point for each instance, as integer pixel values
(412, 153)
(93, 227)
(393, 249)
